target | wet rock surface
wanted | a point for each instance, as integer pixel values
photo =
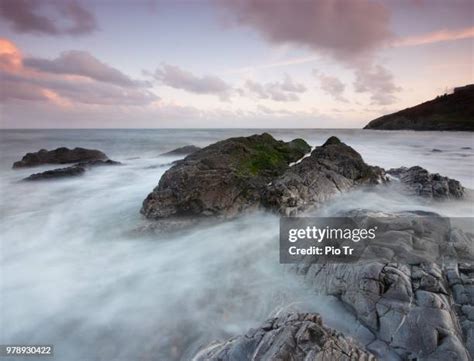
(295, 336)
(61, 155)
(414, 309)
(422, 183)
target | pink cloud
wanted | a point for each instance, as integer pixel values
(97, 84)
(436, 36)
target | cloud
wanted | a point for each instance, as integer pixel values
(435, 37)
(284, 91)
(331, 85)
(378, 82)
(48, 17)
(175, 77)
(20, 82)
(339, 27)
(82, 63)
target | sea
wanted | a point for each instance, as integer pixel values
(78, 272)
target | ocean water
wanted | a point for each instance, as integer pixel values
(76, 273)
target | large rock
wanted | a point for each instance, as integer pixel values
(295, 336)
(61, 155)
(332, 168)
(240, 174)
(222, 179)
(422, 183)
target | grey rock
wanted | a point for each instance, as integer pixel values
(59, 156)
(332, 168)
(295, 336)
(417, 310)
(241, 174)
(72, 171)
(420, 182)
(57, 173)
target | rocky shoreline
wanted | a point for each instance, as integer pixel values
(420, 310)
(408, 309)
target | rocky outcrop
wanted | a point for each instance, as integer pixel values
(222, 179)
(61, 155)
(414, 310)
(447, 112)
(240, 174)
(187, 149)
(72, 171)
(295, 336)
(57, 173)
(420, 182)
(330, 169)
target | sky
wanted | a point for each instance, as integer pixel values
(227, 63)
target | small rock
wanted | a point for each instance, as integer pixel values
(59, 156)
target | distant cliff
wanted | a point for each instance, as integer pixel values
(446, 112)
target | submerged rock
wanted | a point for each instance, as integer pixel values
(295, 336)
(222, 179)
(72, 171)
(187, 149)
(61, 155)
(422, 183)
(57, 173)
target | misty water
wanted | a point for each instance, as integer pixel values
(76, 273)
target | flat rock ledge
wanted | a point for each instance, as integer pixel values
(295, 336)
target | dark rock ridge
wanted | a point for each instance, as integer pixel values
(330, 169)
(57, 173)
(61, 155)
(187, 149)
(239, 174)
(422, 183)
(295, 336)
(413, 310)
(222, 179)
(72, 171)
(447, 112)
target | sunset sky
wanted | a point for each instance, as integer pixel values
(227, 63)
